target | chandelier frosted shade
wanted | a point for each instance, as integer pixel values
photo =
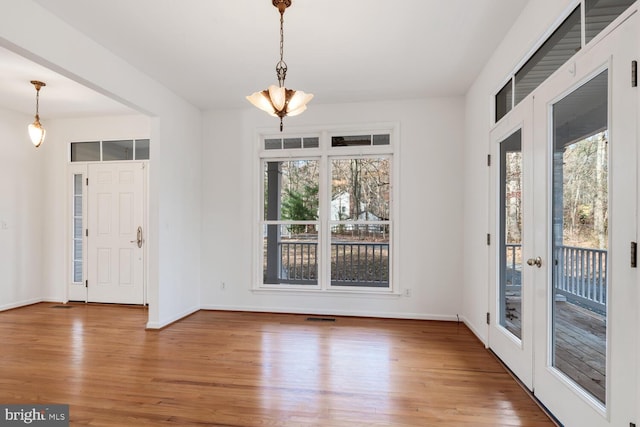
(280, 101)
(37, 132)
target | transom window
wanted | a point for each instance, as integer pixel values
(571, 35)
(326, 212)
(105, 151)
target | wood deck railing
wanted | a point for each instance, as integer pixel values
(580, 274)
(364, 264)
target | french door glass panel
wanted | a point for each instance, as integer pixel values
(580, 216)
(511, 231)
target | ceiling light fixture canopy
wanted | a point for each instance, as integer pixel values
(279, 101)
(36, 131)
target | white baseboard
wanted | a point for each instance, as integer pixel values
(19, 304)
(289, 310)
(480, 336)
(167, 322)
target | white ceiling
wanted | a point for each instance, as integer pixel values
(215, 52)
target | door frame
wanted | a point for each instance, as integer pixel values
(75, 291)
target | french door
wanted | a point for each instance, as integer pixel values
(565, 198)
(116, 235)
(511, 332)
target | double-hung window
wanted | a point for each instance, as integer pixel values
(326, 211)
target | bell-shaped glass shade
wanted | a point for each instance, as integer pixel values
(37, 133)
(297, 111)
(278, 97)
(298, 103)
(262, 101)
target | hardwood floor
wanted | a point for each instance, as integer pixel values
(254, 369)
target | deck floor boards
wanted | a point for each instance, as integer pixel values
(580, 344)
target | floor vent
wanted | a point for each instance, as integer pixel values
(61, 306)
(321, 319)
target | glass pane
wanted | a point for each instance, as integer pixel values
(290, 254)
(360, 254)
(600, 13)
(77, 206)
(312, 142)
(291, 190)
(142, 149)
(272, 144)
(360, 189)
(77, 184)
(85, 151)
(555, 51)
(350, 141)
(504, 100)
(511, 234)
(117, 150)
(77, 262)
(77, 272)
(77, 249)
(381, 139)
(292, 143)
(580, 235)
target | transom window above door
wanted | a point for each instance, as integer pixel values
(105, 151)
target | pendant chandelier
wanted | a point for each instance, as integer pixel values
(36, 131)
(279, 101)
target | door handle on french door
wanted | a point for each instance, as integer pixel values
(537, 261)
(138, 237)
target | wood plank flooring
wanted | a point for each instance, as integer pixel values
(254, 369)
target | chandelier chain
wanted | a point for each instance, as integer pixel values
(37, 102)
(281, 66)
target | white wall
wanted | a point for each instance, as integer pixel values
(21, 213)
(175, 174)
(537, 17)
(430, 241)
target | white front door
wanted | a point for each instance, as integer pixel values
(511, 296)
(584, 221)
(116, 233)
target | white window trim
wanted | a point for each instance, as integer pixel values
(324, 153)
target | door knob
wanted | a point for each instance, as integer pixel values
(537, 261)
(138, 237)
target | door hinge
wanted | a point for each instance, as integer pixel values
(634, 73)
(488, 318)
(634, 254)
(488, 159)
(86, 232)
(488, 239)
(86, 283)
(87, 181)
